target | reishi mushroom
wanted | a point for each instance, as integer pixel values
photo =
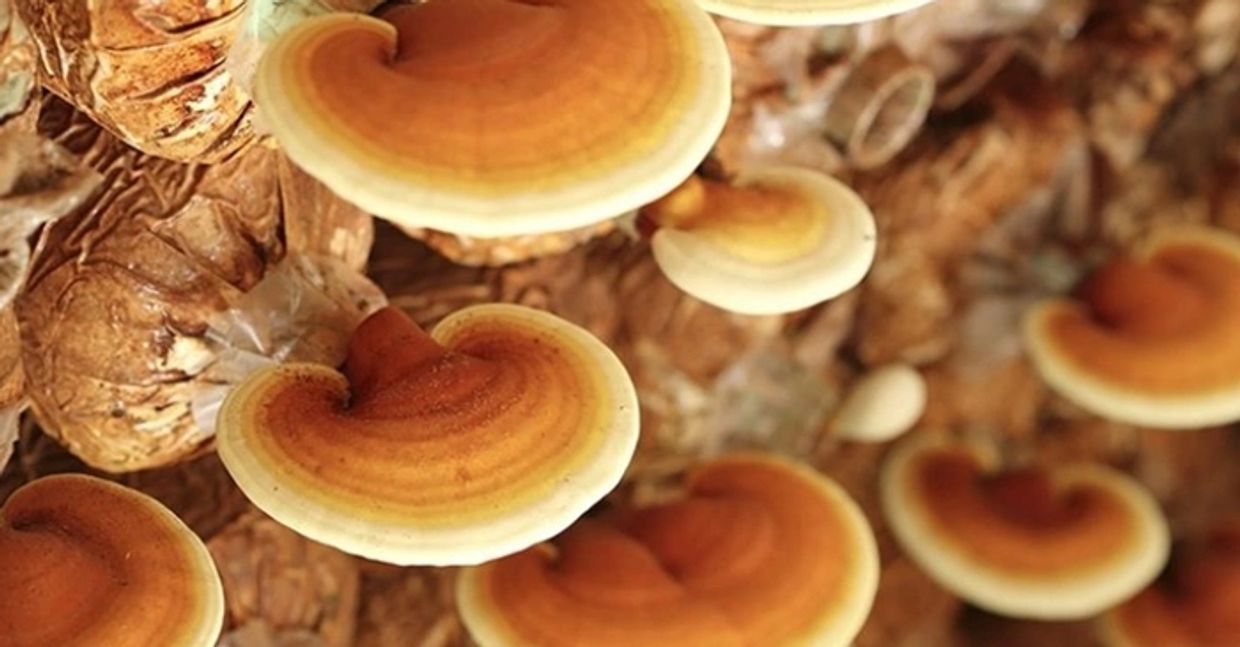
(774, 240)
(1195, 604)
(759, 551)
(1151, 338)
(793, 13)
(492, 118)
(86, 562)
(1049, 544)
(492, 433)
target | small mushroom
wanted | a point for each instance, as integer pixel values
(774, 240)
(495, 118)
(85, 562)
(1050, 544)
(794, 13)
(1151, 338)
(881, 405)
(759, 551)
(493, 432)
(1195, 604)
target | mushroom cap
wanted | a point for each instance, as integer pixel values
(883, 404)
(1154, 339)
(86, 562)
(1046, 544)
(494, 432)
(795, 13)
(491, 118)
(777, 239)
(760, 551)
(1195, 604)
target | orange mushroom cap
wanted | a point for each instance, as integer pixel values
(1153, 338)
(85, 562)
(1195, 604)
(761, 551)
(777, 239)
(494, 432)
(1048, 544)
(792, 13)
(494, 118)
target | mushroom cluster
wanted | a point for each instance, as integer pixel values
(186, 200)
(758, 551)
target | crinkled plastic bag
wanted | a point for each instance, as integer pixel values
(304, 310)
(10, 416)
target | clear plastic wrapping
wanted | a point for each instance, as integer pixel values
(304, 310)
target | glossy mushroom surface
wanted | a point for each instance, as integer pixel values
(759, 551)
(1196, 603)
(493, 118)
(1151, 338)
(775, 240)
(791, 13)
(1050, 544)
(85, 562)
(493, 432)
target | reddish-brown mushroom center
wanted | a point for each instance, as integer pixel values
(700, 202)
(458, 36)
(1019, 520)
(51, 582)
(1144, 299)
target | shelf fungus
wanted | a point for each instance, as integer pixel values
(86, 562)
(1050, 544)
(1196, 603)
(493, 432)
(1151, 338)
(800, 13)
(494, 118)
(776, 239)
(700, 571)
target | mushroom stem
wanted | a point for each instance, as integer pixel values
(685, 537)
(683, 205)
(1143, 298)
(699, 200)
(386, 348)
(586, 559)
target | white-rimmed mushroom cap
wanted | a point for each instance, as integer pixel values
(1067, 542)
(802, 13)
(492, 433)
(759, 551)
(1153, 338)
(777, 239)
(495, 118)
